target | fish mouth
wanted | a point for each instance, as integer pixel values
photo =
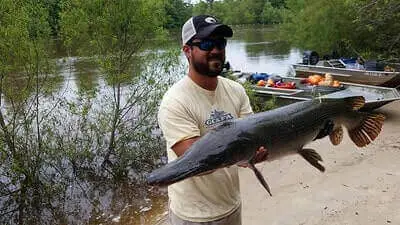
(153, 180)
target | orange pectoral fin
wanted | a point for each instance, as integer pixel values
(368, 130)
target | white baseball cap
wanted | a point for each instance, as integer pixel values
(203, 26)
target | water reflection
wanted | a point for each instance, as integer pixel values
(86, 74)
(258, 49)
(122, 203)
(277, 50)
(84, 196)
(62, 180)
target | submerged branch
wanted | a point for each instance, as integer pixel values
(7, 135)
(8, 212)
(9, 193)
(111, 146)
(368, 5)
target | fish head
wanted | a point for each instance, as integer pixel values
(225, 146)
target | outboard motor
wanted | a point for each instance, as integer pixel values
(310, 57)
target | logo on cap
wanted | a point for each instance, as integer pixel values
(210, 20)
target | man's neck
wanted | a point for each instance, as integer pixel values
(206, 82)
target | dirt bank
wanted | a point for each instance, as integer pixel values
(360, 185)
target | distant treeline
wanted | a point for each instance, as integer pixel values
(244, 11)
(366, 27)
(178, 11)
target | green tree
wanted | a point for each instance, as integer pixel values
(53, 7)
(116, 35)
(377, 28)
(25, 60)
(210, 3)
(271, 14)
(177, 12)
(244, 11)
(49, 143)
(255, 8)
(201, 8)
(318, 24)
(351, 27)
(277, 3)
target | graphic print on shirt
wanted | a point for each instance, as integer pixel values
(217, 117)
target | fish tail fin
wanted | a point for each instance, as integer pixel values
(368, 129)
(312, 157)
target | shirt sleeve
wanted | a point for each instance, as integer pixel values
(245, 108)
(176, 123)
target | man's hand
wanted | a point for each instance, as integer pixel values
(261, 155)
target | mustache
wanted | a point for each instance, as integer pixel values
(216, 56)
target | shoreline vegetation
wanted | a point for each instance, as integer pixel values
(62, 152)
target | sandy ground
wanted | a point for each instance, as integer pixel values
(360, 185)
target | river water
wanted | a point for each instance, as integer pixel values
(90, 201)
(259, 50)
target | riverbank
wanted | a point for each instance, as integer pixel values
(360, 185)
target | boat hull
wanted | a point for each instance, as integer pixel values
(375, 78)
(375, 96)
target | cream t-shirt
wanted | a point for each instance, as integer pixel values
(186, 111)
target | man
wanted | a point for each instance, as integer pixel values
(199, 102)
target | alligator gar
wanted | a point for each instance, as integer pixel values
(282, 131)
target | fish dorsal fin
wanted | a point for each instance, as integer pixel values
(312, 157)
(354, 102)
(336, 136)
(368, 129)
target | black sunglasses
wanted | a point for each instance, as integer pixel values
(209, 44)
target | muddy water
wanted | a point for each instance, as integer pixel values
(145, 209)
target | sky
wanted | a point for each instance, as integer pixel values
(192, 1)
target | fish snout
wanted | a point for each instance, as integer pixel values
(153, 180)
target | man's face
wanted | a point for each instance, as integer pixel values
(208, 55)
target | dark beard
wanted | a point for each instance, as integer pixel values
(208, 70)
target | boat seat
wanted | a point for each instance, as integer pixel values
(337, 63)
